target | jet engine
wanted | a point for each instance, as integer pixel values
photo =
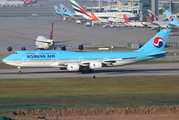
(73, 67)
(95, 65)
(23, 48)
(63, 48)
(81, 47)
(9, 48)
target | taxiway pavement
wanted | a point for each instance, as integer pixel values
(130, 70)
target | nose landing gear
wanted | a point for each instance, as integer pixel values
(19, 70)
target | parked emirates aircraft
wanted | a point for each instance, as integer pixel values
(79, 11)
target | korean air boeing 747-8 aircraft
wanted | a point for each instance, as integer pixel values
(89, 61)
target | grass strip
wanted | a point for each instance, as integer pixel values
(89, 86)
(87, 92)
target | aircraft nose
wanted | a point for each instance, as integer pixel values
(4, 60)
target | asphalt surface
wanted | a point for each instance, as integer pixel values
(130, 70)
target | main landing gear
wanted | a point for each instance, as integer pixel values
(19, 70)
(86, 70)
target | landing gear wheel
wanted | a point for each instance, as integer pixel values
(20, 72)
(19, 69)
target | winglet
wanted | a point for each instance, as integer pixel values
(126, 19)
(94, 18)
(51, 33)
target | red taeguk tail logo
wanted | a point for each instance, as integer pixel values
(158, 42)
(64, 9)
(171, 18)
(58, 10)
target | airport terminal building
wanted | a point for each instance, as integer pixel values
(139, 7)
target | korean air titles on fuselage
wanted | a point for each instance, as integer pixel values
(40, 56)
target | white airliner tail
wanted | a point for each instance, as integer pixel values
(79, 10)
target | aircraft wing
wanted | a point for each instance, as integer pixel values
(159, 24)
(61, 41)
(29, 46)
(172, 25)
(74, 16)
(78, 16)
(77, 44)
(103, 61)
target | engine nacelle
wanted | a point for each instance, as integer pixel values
(23, 48)
(63, 48)
(95, 65)
(81, 47)
(9, 48)
(73, 67)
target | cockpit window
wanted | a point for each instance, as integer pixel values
(15, 53)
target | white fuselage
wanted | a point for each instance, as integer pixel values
(109, 15)
(11, 3)
(135, 24)
(44, 43)
(116, 20)
(55, 63)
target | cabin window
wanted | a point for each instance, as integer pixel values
(15, 53)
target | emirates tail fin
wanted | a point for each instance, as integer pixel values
(94, 18)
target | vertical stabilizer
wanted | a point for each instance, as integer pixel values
(94, 18)
(158, 42)
(65, 10)
(148, 19)
(126, 19)
(57, 10)
(78, 10)
(51, 33)
(172, 19)
(30, 1)
(153, 17)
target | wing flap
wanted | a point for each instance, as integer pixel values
(77, 44)
(29, 46)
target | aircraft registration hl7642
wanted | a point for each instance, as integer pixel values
(89, 61)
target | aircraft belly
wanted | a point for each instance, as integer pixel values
(125, 62)
(30, 63)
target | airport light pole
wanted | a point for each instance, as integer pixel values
(99, 5)
(170, 6)
(132, 6)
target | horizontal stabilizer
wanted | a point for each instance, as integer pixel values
(157, 53)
